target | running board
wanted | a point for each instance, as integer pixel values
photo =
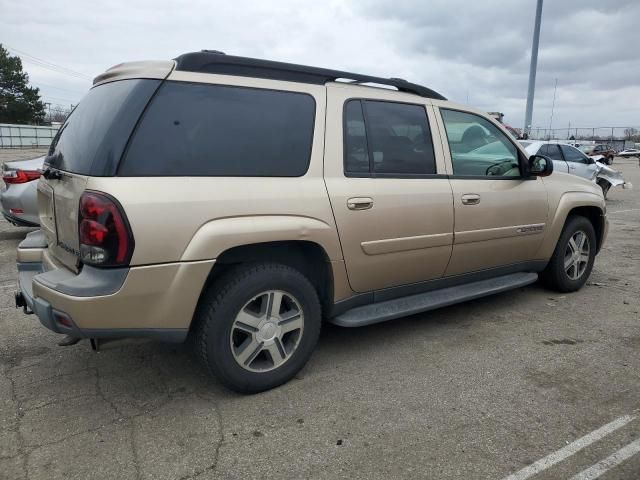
(422, 302)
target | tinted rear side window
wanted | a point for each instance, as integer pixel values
(93, 138)
(213, 130)
(387, 139)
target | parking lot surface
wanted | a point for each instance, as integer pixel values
(528, 383)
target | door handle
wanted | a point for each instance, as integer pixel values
(360, 203)
(470, 199)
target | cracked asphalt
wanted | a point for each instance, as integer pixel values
(473, 391)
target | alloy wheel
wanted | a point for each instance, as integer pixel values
(267, 331)
(576, 256)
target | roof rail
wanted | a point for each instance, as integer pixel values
(213, 61)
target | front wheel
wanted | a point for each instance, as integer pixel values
(257, 326)
(605, 186)
(573, 257)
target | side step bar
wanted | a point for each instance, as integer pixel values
(422, 302)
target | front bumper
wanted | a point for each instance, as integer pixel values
(605, 231)
(155, 301)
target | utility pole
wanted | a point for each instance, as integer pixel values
(532, 68)
(553, 105)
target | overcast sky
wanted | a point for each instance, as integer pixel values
(474, 52)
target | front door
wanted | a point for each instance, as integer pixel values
(500, 217)
(393, 210)
(579, 163)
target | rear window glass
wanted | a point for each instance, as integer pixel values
(212, 130)
(93, 138)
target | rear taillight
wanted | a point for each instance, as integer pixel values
(105, 235)
(20, 176)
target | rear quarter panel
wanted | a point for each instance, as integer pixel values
(196, 218)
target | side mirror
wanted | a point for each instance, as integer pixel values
(540, 166)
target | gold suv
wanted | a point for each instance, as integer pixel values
(239, 202)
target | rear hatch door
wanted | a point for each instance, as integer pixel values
(90, 143)
(58, 202)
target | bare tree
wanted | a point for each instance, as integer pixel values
(630, 133)
(58, 113)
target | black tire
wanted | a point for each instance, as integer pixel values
(605, 186)
(224, 299)
(554, 275)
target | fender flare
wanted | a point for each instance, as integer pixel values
(568, 202)
(216, 236)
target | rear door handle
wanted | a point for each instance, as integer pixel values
(360, 203)
(470, 199)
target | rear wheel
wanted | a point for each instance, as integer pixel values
(257, 326)
(573, 257)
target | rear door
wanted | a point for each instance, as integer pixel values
(500, 216)
(387, 185)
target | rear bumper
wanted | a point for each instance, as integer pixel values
(19, 222)
(154, 301)
(23, 198)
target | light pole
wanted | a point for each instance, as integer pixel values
(532, 68)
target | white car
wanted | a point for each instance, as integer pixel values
(567, 158)
(18, 192)
(629, 152)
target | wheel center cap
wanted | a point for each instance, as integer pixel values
(268, 331)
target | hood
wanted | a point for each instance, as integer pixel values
(31, 164)
(574, 182)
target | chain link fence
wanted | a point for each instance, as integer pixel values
(26, 136)
(618, 137)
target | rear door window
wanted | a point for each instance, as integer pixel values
(387, 139)
(214, 130)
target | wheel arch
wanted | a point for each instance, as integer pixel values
(596, 216)
(308, 257)
(588, 205)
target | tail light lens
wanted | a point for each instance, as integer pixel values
(20, 176)
(105, 235)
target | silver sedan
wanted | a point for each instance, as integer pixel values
(18, 191)
(567, 158)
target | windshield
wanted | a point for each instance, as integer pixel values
(93, 138)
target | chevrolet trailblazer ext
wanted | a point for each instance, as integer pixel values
(239, 202)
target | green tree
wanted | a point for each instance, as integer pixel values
(19, 103)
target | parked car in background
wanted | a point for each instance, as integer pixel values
(629, 152)
(603, 149)
(18, 194)
(569, 159)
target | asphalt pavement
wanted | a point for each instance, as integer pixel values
(528, 383)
